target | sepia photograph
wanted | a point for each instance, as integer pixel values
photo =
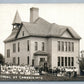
(42, 42)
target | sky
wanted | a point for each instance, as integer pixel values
(63, 14)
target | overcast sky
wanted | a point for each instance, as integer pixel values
(62, 14)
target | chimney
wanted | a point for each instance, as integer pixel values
(34, 14)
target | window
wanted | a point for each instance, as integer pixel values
(68, 61)
(62, 61)
(43, 46)
(8, 53)
(14, 60)
(18, 60)
(69, 46)
(42, 59)
(22, 33)
(58, 61)
(32, 62)
(28, 45)
(28, 60)
(65, 46)
(72, 46)
(65, 61)
(72, 64)
(58, 45)
(62, 46)
(18, 47)
(14, 47)
(36, 46)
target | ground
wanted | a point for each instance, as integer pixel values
(39, 78)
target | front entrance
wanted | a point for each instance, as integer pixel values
(42, 59)
(39, 58)
(45, 64)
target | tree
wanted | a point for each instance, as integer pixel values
(81, 64)
(1, 59)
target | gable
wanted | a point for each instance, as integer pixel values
(23, 32)
(66, 34)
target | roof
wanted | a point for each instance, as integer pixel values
(17, 19)
(43, 28)
(12, 35)
(42, 53)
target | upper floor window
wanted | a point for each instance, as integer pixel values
(65, 46)
(36, 46)
(14, 47)
(28, 45)
(62, 46)
(69, 46)
(43, 46)
(72, 46)
(18, 46)
(22, 33)
(8, 53)
(58, 45)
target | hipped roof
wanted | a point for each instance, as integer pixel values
(42, 28)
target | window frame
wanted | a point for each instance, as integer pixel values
(59, 47)
(14, 47)
(72, 46)
(43, 46)
(65, 61)
(58, 61)
(62, 61)
(18, 60)
(28, 47)
(8, 53)
(69, 61)
(18, 46)
(62, 46)
(22, 33)
(66, 46)
(36, 46)
(28, 60)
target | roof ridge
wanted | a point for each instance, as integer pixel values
(41, 19)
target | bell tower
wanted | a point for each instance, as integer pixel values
(16, 21)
